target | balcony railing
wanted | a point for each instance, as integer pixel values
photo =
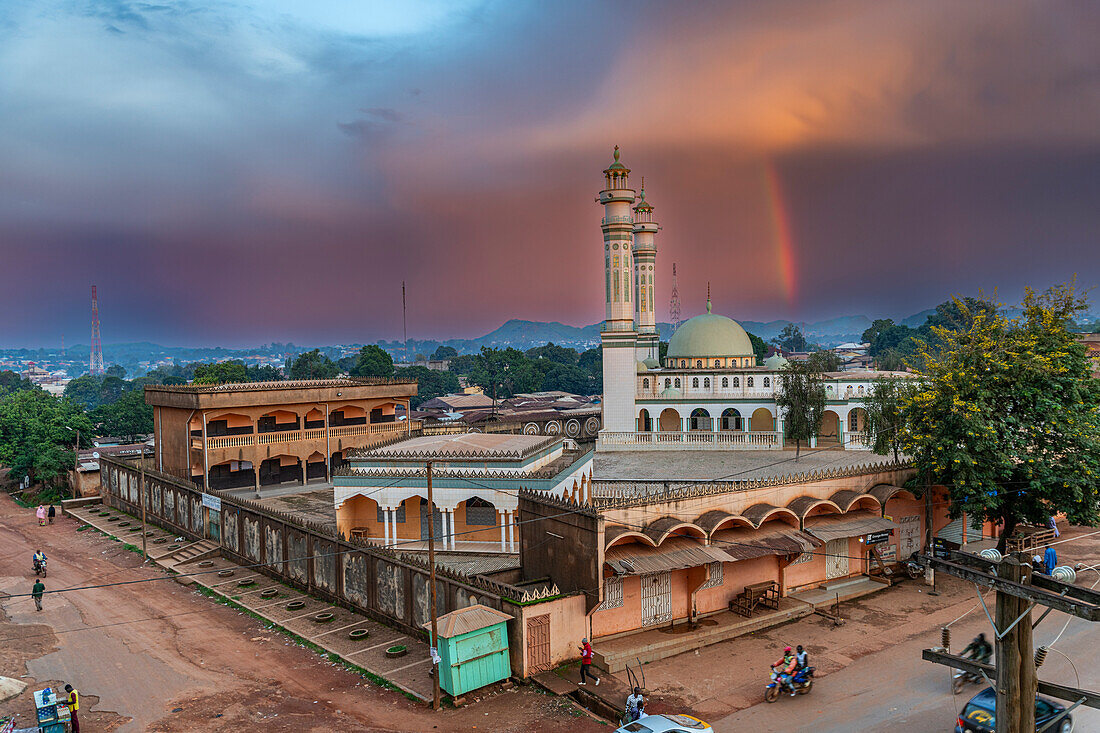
(708, 392)
(857, 441)
(753, 440)
(291, 436)
(617, 220)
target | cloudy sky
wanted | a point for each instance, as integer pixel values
(240, 172)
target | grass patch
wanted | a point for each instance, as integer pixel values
(330, 656)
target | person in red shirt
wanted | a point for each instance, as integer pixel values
(586, 662)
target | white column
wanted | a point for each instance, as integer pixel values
(511, 532)
(503, 518)
(449, 530)
(386, 525)
(393, 531)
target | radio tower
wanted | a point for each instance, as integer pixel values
(674, 304)
(95, 362)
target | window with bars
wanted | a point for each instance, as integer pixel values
(480, 513)
(716, 577)
(612, 593)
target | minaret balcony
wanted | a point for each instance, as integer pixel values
(617, 220)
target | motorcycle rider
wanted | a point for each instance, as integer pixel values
(979, 650)
(37, 560)
(786, 668)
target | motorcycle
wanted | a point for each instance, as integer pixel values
(802, 681)
(961, 679)
(40, 568)
(913, 568)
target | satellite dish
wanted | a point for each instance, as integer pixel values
(95, 454)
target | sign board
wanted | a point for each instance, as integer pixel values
(941, 548)
(877, 538)
(212, 502)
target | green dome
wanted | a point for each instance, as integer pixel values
(775, 361)
(709, 335)
(671, 393)
(642, 367)
(652, 363)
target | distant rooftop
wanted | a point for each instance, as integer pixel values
(733, 465)
(482, 446)
(281, 385)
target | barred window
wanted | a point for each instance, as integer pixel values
(748, 382)
(725, 382)
(645, 383)
(677, 383)
(716, 577)
(736, 381)
(668, 382)
(767, 381)
(612, 593)
(480, 513)
(706, 383)
(695, 383)
(400, 514)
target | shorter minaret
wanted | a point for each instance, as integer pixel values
(645, 262)
(618, 338)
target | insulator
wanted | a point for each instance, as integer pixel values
(1040, 656)
(945, 638)
(991, 554)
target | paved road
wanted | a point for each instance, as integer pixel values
(896, 689)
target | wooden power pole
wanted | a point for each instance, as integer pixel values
(431, 584)
(1019, 590)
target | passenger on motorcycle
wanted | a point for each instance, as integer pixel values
(786, 667)
(37, 559)
(802, 657)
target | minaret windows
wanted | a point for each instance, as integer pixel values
(706, 383)
(677, 383)
(736, 381)
(748, 382)
(725, 382)
(767, 382)
(616, 283)
(695, 383)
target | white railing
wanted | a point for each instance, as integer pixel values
(857, 441)
(705, 392)
(733, 439)
(292, 436)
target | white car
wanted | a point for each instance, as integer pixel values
(666, 724)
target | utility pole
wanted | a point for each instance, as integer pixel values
(431, 585)
(1019, 590)
(141, 498)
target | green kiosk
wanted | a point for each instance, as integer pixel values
(473, 648)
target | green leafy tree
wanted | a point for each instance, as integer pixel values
(128, 417)
(116, 371)
(1008, 414)
(462, 364)
(891, 360)
(504, 373)
(801, 397)
(885, 418)
(568, 378)
(429, 383)
(790, 338)
(556, 354)
(372, 361)
(223, 372)
(313, 365)
(824, 360)
(264, 373)
(37, 435)
(163, 373)
(12, 382)
(877, 327)
(444, 352)
(591, 361)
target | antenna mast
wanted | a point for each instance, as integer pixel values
(95, 361)
(674, 304)
(404, 326)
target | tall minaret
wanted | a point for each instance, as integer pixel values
(645, 260)
(618, 337)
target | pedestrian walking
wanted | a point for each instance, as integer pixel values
(73, 701)
(586, 662)
(1054, 526)
(40, 512)
(1050, 559)
(51, 513)
(36, 593)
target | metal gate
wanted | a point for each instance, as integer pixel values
(656, 598)
(538, 643)
(836, 558)
(908, 536)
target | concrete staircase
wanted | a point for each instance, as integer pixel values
(190, 553)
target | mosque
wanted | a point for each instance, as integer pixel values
(709, 392)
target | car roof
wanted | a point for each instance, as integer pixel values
(652, 724)
(987, 700)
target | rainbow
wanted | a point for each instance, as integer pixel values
(781, 232)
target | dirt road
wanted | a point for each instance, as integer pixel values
(157, 656)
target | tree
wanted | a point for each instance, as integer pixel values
(877, 326)
(264, 373)
(568, 378)
(790, 338)
(824, 360)
(1008, 414)
(885, 418)
(37, 434)
(372, 361)
(462, 364)
(801, 396)
(223, 372)
(128, 417)
(313, 365)
(116, 371)
(12, 382)
(444, 352)
(890, 360)
(93, 391)
(759, 347)
(429, 382)
(556, 354)
(504, 373)
(591, 361)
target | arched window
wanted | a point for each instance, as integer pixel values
(699, 363)
(725, 382)
(645, 383)
(767, 381)
(717, 362)
(853, 421)
(861, 390)
(683, 363)
(731, 419)
(695, 383)
(677, 383)
(706, 383)
(736, 381)
(668, 382)
(848, 392)
(748, 382)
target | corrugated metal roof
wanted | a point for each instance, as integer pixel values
(465, 620)
(853, 524)
(745, 544)
(673, 554)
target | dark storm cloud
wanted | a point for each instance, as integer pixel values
(231, 172)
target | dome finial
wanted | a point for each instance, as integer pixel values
(616, 153)
(708, 297)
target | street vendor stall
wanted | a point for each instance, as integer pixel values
(52, 712)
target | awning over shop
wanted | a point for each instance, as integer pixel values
(841, 526)
(673, 554)
(745, 544)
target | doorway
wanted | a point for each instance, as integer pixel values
(656, 598)
(836, 558)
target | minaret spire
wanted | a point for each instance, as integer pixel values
(708, 296)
